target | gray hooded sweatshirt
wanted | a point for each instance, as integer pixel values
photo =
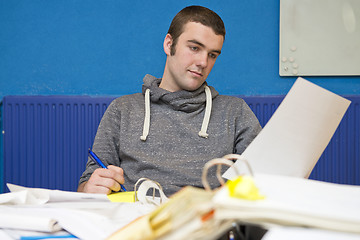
(169, 136)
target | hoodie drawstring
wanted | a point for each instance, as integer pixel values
(206, 119)
(205, 122)
(147, 116)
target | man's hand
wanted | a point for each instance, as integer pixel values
(104, 180)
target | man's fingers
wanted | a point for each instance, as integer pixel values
(94, 188)
(105, 180)
(118, 173)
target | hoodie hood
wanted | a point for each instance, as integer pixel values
(186, 101)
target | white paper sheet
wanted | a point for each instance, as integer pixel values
(19, 220)
(297, 134)
(286, 233)
(88, 216)
(86, 220)
(37, 196)
(5, 236)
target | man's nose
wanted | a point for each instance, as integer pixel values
(202, 60)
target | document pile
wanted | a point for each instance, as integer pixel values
(35, 213)
(291, 201)
(188, 214)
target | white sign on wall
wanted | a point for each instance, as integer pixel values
(319, 37)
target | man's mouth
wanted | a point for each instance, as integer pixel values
(198, 74)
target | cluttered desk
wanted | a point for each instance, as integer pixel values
(280, 200)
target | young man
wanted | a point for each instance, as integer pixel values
(169, 131)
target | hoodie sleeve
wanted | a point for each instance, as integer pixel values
(247, 128)
(106, 142)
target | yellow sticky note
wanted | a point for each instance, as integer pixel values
(244, 187)
(122, 196)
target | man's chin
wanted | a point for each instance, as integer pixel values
(192, 88)
(192, 84)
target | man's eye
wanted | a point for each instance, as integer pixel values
(194, 48)
(213, 55)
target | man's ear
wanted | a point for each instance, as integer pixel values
(167, 44)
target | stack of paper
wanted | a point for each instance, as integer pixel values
(87, 216)
(295, 202)
(187, 215)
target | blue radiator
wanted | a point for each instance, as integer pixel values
(46, 139)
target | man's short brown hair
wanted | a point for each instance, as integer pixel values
(197, 14)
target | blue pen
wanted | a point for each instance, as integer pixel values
(95, 158)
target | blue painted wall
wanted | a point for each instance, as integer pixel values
(92, 47)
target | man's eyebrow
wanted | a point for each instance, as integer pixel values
(202, 45)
